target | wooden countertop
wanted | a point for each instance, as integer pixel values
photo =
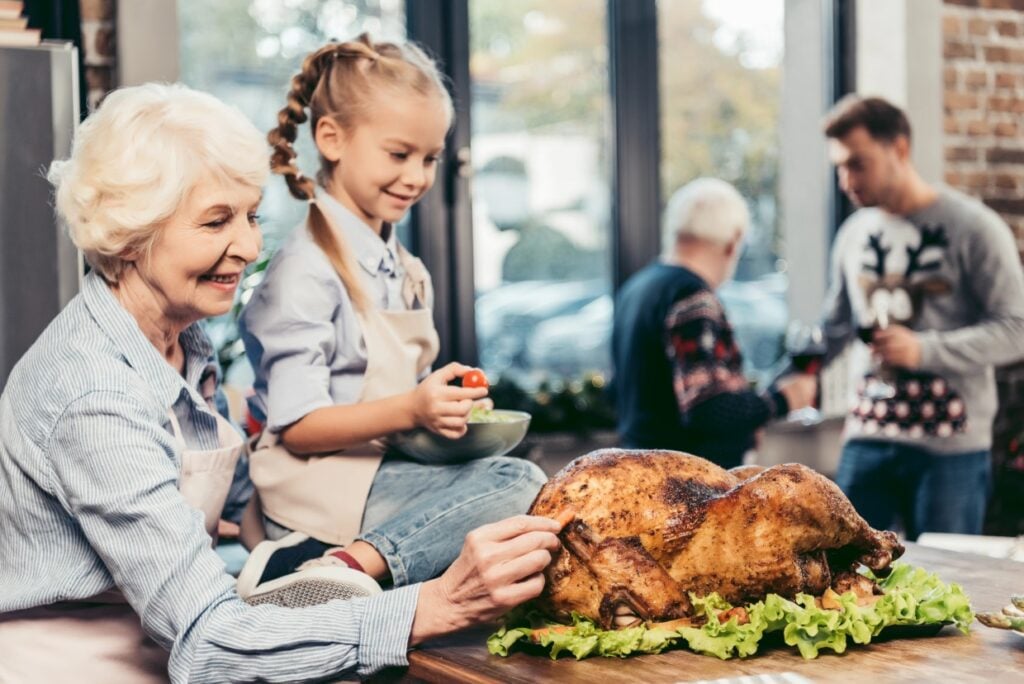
(985, 655)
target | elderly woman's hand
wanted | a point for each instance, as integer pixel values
(500, 566)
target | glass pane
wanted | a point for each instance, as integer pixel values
(720, 69)
(245, 52)
(541, 211)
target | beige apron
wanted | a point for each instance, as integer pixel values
(101, 639)
(324, 496)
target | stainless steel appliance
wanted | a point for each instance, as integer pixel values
(40, 270)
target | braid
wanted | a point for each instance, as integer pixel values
(362, 46)
(282, 138)
(282, 161)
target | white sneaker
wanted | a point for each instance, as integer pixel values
(283, 557)
(326, 560)
(314, 586)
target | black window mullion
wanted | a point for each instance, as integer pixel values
(840, 37)
(636, 197)
(442, 221)
(463, 295)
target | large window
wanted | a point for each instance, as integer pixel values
(541, 190)
(720, 70)
(540, 141)
(544, 90)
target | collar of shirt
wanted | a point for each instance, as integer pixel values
(124, 332)
(373, 254)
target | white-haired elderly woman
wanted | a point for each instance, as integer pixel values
(114, 467)
(678, 372)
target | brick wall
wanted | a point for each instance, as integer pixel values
(984, 103)
(99, 48)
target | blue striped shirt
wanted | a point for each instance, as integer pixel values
(89, 501)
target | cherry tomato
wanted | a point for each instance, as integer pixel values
(475, 378)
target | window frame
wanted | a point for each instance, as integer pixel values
(844, 80)
(442, 222)
(636, 124)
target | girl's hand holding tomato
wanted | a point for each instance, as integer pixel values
(476, 378)
(443, 408)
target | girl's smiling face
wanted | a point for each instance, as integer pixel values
(195, 263)
(386, 162)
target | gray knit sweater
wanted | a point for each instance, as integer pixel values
(951, 272)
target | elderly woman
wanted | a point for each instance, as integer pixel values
(679, 380)
(114, 467)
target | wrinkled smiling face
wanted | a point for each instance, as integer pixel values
(196, 261)
(868, 169)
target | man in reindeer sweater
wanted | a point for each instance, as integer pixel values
(931, 281)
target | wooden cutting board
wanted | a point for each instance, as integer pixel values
(986, 655)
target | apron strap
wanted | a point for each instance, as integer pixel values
(176, 427)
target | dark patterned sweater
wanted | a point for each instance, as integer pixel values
(678, 373)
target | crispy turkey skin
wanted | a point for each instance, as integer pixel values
(652, 526)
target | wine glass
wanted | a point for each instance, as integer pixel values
(877, 388)
(805, 344)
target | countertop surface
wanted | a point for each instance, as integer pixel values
(985, 655)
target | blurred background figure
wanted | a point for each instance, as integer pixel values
(678, 380)
(931, 280)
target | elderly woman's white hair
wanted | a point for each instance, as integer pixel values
(135, 160)
(707, 209)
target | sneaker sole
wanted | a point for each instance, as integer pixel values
(257, 561)
(314, 587)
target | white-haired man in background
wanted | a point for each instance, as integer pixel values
(678, 372)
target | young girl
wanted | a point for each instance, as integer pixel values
(340, 331)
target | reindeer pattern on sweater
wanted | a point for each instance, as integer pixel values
(951, 273)
(900, 268)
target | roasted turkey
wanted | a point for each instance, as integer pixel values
(649, 527)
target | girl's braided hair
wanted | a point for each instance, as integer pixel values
(340, 80)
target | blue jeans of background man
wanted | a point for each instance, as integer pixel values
(929, 492)
(417, 516)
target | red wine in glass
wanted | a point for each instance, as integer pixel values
(809, 362)
(806, 346)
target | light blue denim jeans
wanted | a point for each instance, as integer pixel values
(417, 515)
(928, 492)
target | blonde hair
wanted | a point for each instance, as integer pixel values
(340, 81)
(134, 161)
(707, 209)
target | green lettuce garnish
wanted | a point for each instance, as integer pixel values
(912, 597)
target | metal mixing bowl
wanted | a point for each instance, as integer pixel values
(481, 440)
